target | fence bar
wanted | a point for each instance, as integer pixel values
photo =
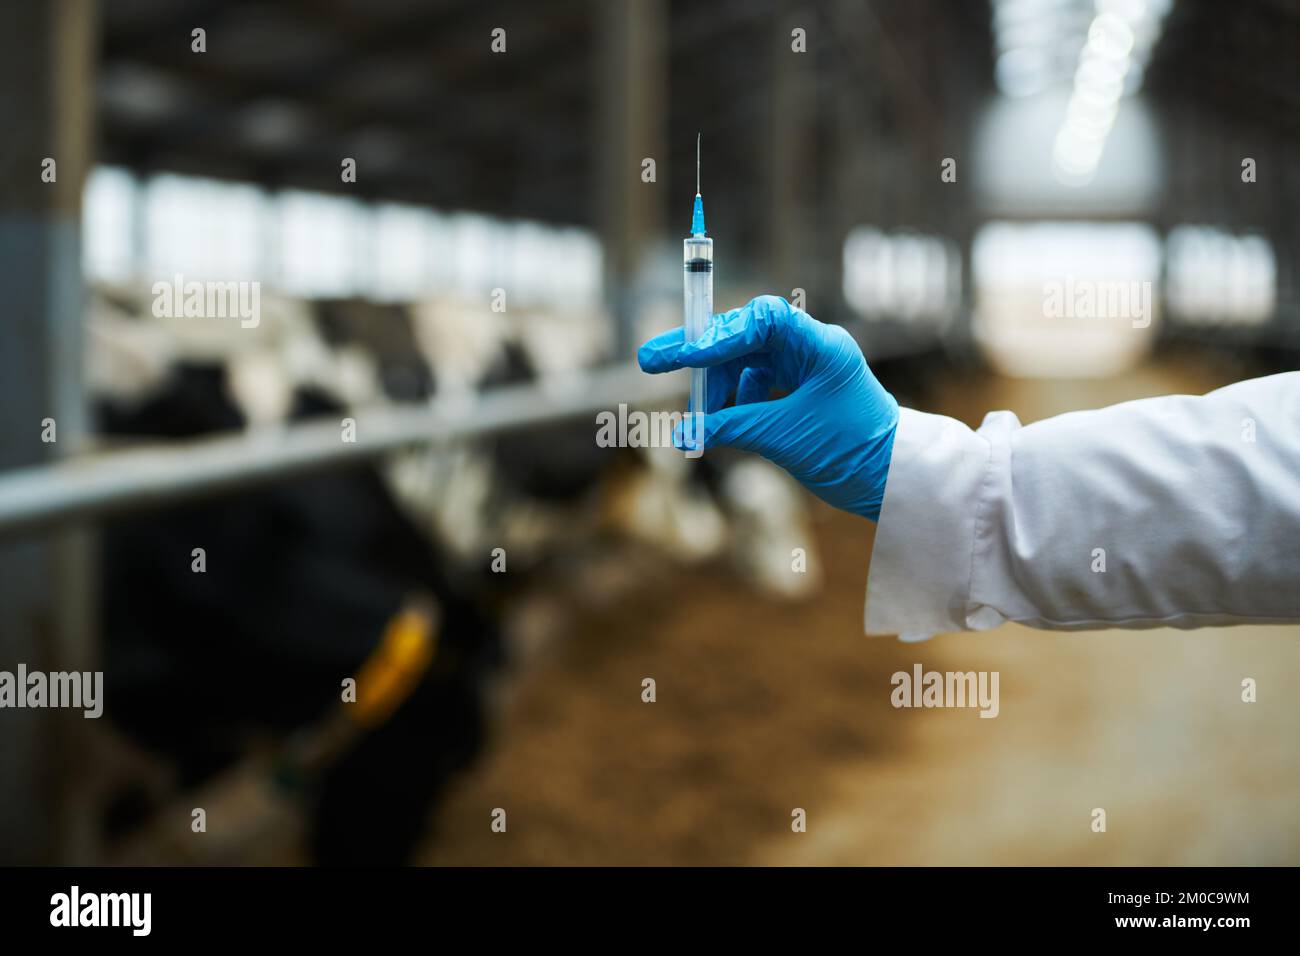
(109, 482)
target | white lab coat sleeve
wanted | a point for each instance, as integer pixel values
(1177, 511)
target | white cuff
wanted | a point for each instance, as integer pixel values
(922, 562)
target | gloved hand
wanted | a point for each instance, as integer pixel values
(833, 431)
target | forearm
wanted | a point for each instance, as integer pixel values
(1179, 510)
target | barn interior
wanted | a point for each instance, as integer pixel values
(443, 227)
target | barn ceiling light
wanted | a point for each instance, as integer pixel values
(1110, 66)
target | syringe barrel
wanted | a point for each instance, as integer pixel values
(697, 277)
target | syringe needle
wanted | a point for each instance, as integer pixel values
(697, 161)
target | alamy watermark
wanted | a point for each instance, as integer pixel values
(1091, 299)
(130, 910)
(180, 299)
(638, 429)
(76, 689)
(922, 688)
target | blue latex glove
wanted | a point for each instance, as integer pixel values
(834, 430)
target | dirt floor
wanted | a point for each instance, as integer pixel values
(765, 706)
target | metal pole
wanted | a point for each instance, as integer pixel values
(46, 601)
(631, 83)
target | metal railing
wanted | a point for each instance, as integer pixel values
(104, 483)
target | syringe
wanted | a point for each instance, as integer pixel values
(697, 271)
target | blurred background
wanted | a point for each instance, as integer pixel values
(461, 217)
